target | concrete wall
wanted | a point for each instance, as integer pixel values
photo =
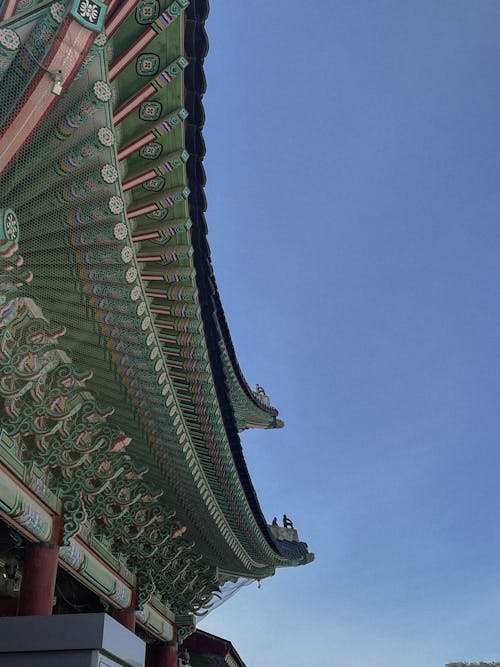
(69, 640)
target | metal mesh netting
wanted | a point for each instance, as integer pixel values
(64, 187)
(74, 236)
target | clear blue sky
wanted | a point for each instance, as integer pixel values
(353, 162)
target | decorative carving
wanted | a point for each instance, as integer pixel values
(9, 225)
(64, 431)
(90, 13)
(186, 625)
(9, 45)
(147, 64)
(145, 587)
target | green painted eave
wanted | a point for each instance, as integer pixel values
(87, 278)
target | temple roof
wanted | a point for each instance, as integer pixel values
(107, 183)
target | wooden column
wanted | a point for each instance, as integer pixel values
(127, 616)
(150, 655)
(161, 655)
(39, 579)
(168, 655)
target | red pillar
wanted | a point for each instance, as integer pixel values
(161, 655)
(150, 655)
(39, 579)
(127, 616)
(168, 655)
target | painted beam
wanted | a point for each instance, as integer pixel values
(172, 12)
(68, 53)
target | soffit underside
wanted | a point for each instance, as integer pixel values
(102, 330)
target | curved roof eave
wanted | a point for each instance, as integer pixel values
(215, 325)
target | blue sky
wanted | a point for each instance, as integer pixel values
(353, 163)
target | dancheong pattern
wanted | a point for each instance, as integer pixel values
(121, 397)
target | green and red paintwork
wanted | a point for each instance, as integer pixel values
(119, 307)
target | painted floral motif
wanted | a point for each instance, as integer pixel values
(109, 173)
(120, 231)
(101, 39)
(9, 39)
(115, 205)
(135, 293)
(131, 275)
(102, 91)
(154, 184)
(158, 215)
(150, 111)
(89, 11)
(106, 137)
(151, 151)
(147, 12)
(24, 5)
(57, 11)
(46, 35)
(126, 254)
